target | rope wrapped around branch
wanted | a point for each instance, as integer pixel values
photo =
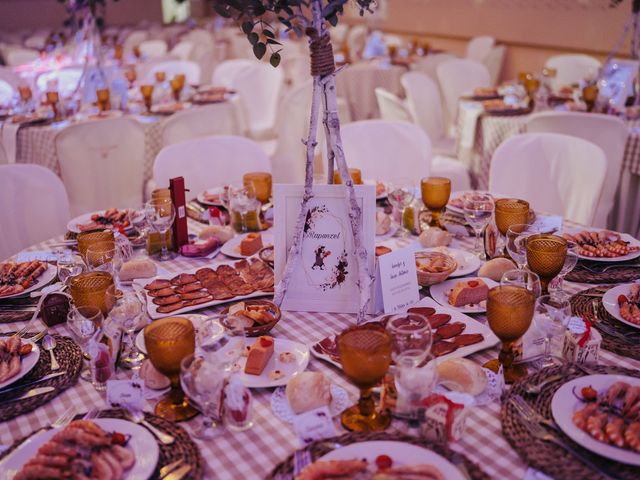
(322, 62)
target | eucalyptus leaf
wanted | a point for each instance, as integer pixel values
(259, 49)
(253, 38)
(247, 27)
(275, 59)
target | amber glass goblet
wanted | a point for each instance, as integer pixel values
(522, 77)
(168, 341)
(147, 96)
(131, 76)
(137, 52)
(52, 99)
(365, 354)
(393, 51)
(508, 212)
(590, 95)
(176, 88)
(509, 312)
(545, 256)
(160, 77)
(118, 52)
(25, 93)
(89, 290)
(435, 196)
(86, 239)
(103, 96)
(354, 173)
(262, 182)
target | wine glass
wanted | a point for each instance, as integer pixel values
(104, 257)
(176, 84)
(510, 211)
(365, 354)
(261, 183)
(131, 76)
(126, 312)
(509, 313)
(147, 96)
(69, 265)
(523, 278)
(401, 193)
(160, 76)
(160, 214)
(103, 98)
(241, 200)
(546, 255)
(478, 210)
(590, 95)
(516, 242)
(52, 99)
(83, 322)
(570, 262)
(435, 196)
(138, 220)
(551, 314)
(169, 340)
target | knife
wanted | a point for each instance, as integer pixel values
(167, 469)
(34, 392)
(179, 474)
(46, 377)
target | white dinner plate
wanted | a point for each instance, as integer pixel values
(74, 224)
(564, 404)
(624, 236)
(467, 261)
(195, 318)
(141, 441)
(440, 293)
(231, 248)
(458, 194)
(289, 369)
(211, 191)
(281, 408)
(401, 454)
(28, 362)
(610, 302)
(44, 279)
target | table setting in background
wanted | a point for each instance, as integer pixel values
(512, 347)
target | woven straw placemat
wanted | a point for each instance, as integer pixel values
(546, 456)
(582, 304)
(322, 447)
(182, 449)
(600, 272)
(69, 357)
(17, 316)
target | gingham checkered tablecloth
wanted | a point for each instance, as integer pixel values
(253, 453)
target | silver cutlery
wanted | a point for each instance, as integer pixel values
(138, 418)
(34, 392)
(37, 337)
(179, 474)
(610, 267)
(49, 343)
(40, 380)
(536, 388)
(167, 469)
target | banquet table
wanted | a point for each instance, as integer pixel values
(255, 452)
(479, 134)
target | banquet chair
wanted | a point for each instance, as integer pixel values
(102, 164)
(173, 67)
(296, 69)
(66, 78)
(209, 162)
(557, 174)
(571, 69)
(37, 40)
(3, 156)
(494, 61)
(27, 219)
(20, 56)
(356, 41)
(200, 37)
(606, 131)
(458, 77)
(204, 121)
(258, 87)
(479, 47)
(183, 49)
(133, 39)
(153, 48)
(226, 71)
(339, 35)
(429, 64)
(207, 59)
(6, 93)
(8, 75)
(392, 107)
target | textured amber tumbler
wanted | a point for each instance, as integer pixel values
(545, 256)
(435, 196)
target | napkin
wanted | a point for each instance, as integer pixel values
(10, 139)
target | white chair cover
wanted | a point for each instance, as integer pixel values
(386, 150)
(259, 88)
(3, 156)
(204, 121)
(454, 170)
(479, 47)
(225, 72)
(20, 56)
(606, 131)
(209, 162)
(297, 69)
(183, 49)
(6, 93)
(494, 61)
(555, 173)
(102, 164)
(33, 207)
(356, 40)
(153, 48)
(458, 77)
(391, 107)
(207, 59)
(339, 35)
(67, 79)
(572, 68)
(134, 39)
(241, 48)
(429, 64)
(200, 37)
(37, 41)
(173, 67)
(8, 75)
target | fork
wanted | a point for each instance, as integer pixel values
(65, 419)
(38, 336)
(630, 338)
(534, 427)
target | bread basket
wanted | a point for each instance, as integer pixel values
(256, 330)
(442, 266)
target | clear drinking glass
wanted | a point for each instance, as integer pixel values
(126, 312)
(241, 201)
(104, 257)
(523, 278)
(478, 210)
(551, 314)
(138, 220)
(401, 192)
(516, 242)
(69, 265)
(83, 322)
(570, 262)
(160, 214)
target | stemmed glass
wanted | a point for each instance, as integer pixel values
(177, 84)
(103, 97)
(401, 193)
(478, 210)
(546, 255)
(570, 262)
(147, 96)
(510, 211)
(52, 99)
(69, 265)
(104, 257)
(435, 196)
(516, 242)
(131, 76)
(241, 201)
(26, 95)
(551, 314)
(126, 313)
(522, 278)
(83, 323)
(138, 220)
(160, 214)
(590, 95)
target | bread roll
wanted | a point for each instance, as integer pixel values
(434, 237)
(222, 233)
(495, 268)
(383, 223)
(462, 375)
(153, 379)
(138, 268)
(308, 390)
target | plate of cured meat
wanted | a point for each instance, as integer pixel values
(455, 334)
(17, 358)
(18, 279)
(623, 303)
(602, 414)
(604, 245)
(112, 218)
(208, 286)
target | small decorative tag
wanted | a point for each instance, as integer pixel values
(397, 282)
(127, 394)
(314, 425)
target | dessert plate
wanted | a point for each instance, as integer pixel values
(610, 302)
(232, 247)
(467, 261)
(211, 191)
(440, 293)
(28, 361)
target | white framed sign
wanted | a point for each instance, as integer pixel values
(325, 279)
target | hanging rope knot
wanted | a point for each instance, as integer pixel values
(322, 63)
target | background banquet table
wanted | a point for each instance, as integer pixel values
(480, 134)
(253, 453)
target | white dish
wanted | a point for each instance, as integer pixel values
(281, 408)
(74, 224)
(232, 247)
(458, 194)
(401, 454)
(211, 191)
(440, 293)
(467, 261)
(28, 362)
(289, 369)
(624, 236)
(564, 404)
(195, 318)
(610, 302)
(142, 443)
(44, 279)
